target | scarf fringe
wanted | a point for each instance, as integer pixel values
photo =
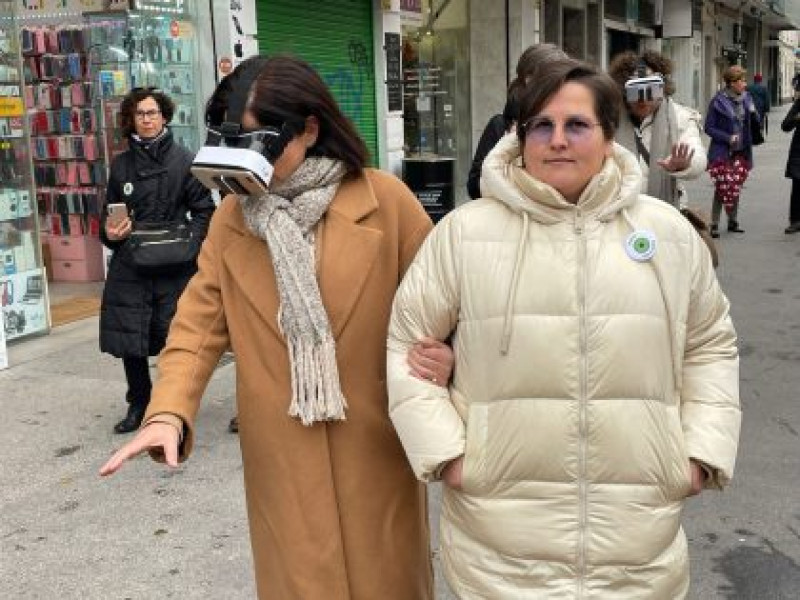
(316, 395)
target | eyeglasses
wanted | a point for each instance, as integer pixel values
(577, 130)
(147, 114)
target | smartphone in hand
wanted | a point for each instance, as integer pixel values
(117, 213)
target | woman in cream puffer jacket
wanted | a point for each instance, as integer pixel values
(587, 376)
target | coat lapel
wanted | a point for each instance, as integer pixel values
(349, 250)
(347, 255)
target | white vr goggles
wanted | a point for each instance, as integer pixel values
(238, 162)
(644, 89)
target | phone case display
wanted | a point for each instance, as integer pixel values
(68, 165)
(22, 287)
(159, 52)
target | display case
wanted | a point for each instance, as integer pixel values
(23, 287)
(148, 47)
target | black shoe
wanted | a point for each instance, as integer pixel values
(233, 426)
(793, 228)
(714, 230)
(733, 226)
(132, 420)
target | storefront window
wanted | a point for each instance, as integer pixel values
(436, 107)
(23, 288)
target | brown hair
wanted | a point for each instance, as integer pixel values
(624, 66)
(551, 78)
(732, 74)
(287, 91)
(127, 109)
(528, 66)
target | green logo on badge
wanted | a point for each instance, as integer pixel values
(641, 245)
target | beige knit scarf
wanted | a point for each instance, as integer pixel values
(285, 218)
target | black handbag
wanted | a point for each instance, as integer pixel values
(756, 133)
(161, 248)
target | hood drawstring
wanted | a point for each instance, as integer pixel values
(670, 321)
(505, 340)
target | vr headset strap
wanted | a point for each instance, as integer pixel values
(237, 102)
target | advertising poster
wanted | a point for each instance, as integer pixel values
(23, 300)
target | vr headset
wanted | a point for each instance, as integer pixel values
(238, 162)
(644, 87)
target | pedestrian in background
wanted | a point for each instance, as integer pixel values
(790, 123)
(298, 283)
(153, 181)
(730, 153)
(758, 91)
(566, 454)
(499, 125)
(663, 134)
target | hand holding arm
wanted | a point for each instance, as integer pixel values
(431, 360)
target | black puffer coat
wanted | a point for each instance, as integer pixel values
(790, 122)
(156, 185)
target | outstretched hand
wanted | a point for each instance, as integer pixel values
(432, 361)
(679, 159)
(154, 435)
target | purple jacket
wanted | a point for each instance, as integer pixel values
(721, 124)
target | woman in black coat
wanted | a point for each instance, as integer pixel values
(152, 179)
(790, 122)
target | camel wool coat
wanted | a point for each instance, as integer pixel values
(335, 511)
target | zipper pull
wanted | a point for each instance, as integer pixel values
(578, 221)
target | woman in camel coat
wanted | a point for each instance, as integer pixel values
(335, 511)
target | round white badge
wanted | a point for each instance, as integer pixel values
(127, 189)
(641, 245)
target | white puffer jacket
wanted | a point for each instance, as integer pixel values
(584, 382)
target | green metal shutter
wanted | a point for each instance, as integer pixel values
(336, 39)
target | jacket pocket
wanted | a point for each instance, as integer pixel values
(473, 475)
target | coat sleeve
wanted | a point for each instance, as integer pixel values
(712, 126)
(197, 338)
(113, 196)
(197, 199)
(494, 130)
(710, 411)
(792, 118)
(426, 304)
(690, 135)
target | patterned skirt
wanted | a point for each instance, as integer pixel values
(729, 176)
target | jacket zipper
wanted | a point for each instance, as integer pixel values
(582, 509)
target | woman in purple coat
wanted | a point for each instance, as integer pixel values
(730, 154)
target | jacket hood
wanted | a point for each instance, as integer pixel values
(505, 180)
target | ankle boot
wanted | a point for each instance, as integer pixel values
(714, 230)
(132, 419)
(734, 227)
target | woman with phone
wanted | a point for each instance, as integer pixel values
(149, 185)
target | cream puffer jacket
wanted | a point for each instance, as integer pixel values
(585, 379)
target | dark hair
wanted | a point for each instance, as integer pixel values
(625, 66)
(552, 77)
(127, 109)
(528, 66)
(286, 91)
(245, 73)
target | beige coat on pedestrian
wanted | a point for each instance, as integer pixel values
(335, 511)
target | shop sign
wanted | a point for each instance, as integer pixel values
(411, 11)
(77, 6)
(11, 107)
(225, 65)
(394, 71)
